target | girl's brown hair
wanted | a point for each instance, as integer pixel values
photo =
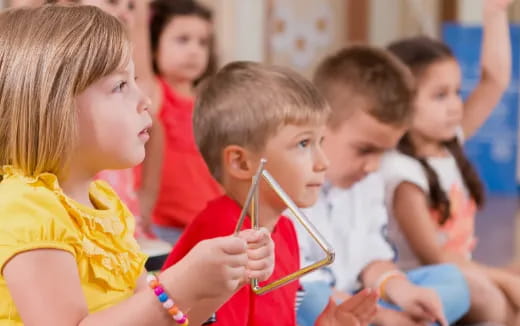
(419, 53)
(49, 55)
(163, 11)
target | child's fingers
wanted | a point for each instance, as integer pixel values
(238, 260)
(368, 315)
(367, 305)
(256, 238)
(435, 313)
(257, 265)
(248, 235)
(363, 306)
(359, 298)
(237, 273)
(416, 311)
(261, 275)
(262, 242)
(231, 245)
(348, 319)
(260, 253)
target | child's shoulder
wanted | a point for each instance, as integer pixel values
(21, 195)
(397, 167)
(218, 218)
(395, 159)
(286, 225)
(32, 216)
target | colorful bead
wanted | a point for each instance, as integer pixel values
(178, 316)
(153, 284)
(168, 304)
(173, 310)
(181, 320)
(150, 277)
(158, 290)
(162, 297)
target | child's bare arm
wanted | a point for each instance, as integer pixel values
(412, 212)
(46, 287)
(495, 65)
(140, 34)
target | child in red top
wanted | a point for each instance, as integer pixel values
(174, 183)
(205, 226)
(244, 113)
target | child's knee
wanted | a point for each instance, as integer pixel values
(487, 300)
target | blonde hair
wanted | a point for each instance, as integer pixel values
(48, 56)
(246, 103)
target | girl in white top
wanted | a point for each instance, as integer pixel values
(433, 192)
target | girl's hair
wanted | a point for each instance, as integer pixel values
(49, 55)
(419, 53)
(163, 11)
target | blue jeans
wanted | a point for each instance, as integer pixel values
(445, 279)
(168, 234)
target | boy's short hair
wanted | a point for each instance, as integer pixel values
(369, 78)
(246, 103)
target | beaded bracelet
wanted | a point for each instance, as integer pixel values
(168, 304)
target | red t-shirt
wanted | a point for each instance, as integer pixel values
(186, 183)
(245, 308)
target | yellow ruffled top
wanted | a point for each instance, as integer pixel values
(36, 214)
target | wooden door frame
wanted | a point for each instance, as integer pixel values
(358, 20)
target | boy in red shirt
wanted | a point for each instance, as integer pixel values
(246, 112)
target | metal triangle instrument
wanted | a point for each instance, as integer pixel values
(252, 202)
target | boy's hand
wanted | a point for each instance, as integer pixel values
(260, 253)
(356, 311)
(420, 303)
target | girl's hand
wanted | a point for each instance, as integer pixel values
(213, 268)
(420, 303)
(260, 253)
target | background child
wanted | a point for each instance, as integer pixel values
(69, 108)
(370, 93)
(433, 192)
(246, 112)
(181, 37)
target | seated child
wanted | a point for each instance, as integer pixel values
(370, 93)
(246, 112)
(70, 108)
(432, 190)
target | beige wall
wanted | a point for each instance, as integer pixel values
(470, 11)
(239, 29)
(302, 32)
(390, 20)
